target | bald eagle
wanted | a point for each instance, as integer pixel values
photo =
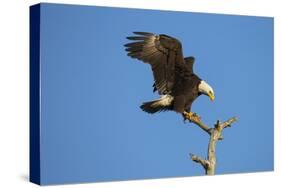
(173, 74)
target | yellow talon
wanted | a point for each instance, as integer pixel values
(191, 116)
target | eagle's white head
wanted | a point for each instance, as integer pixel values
(206, 89)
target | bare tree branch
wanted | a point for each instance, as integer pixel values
(215, 134)
(203, 162)
(196, 120)
(229, 122)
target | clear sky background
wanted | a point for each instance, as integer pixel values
(92, 128)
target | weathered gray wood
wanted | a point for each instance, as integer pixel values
(215, 133)
(197, 120)
(203, 162)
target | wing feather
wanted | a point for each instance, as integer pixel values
(143, 33)
(162, 52)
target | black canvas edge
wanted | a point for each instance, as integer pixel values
(34, 94)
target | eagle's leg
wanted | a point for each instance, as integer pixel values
(191, 116)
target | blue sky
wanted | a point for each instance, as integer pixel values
(92, 128)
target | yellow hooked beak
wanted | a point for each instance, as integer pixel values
(211, 95)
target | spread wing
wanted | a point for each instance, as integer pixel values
(162, 52)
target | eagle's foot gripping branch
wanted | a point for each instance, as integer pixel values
(192, 117)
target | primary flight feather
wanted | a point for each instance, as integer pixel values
(173, 74)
